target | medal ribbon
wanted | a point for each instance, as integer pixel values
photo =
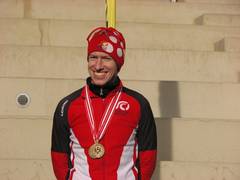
(106, 118)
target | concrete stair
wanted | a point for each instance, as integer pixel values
(230, 44)
(197, 171)
(16, 169)
(219, 20)
(168, 99)
(166, 65)
(184, 57)
(13, 169)
(182, 156)
(169, 13)
(64, 33)
(12, 9)
(144, 11)
(236, 2)
(202, 146)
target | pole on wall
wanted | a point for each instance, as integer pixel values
(110, 13)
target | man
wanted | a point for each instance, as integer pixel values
(104, 131)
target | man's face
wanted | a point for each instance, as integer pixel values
(101, 67)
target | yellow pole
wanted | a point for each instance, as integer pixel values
(110, 13)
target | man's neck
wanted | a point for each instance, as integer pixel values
(104, 90)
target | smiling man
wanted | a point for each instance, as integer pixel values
(102, 68)
(104, 131)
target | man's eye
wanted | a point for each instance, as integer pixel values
(92, 58)
(106, 59)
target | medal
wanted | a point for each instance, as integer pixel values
(97, 150)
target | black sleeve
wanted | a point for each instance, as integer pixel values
(60, 128)
(147, 135)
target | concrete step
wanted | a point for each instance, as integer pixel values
(168, 99)
(168, 13)
(30, 169)
(12, 169)
(229, 44)
(70, 63)
(200, 140)
(127, 10)
(12, 8)
(20, 31)
(169, 170)
(155, 11)
(74, 33)
(191, 100)
(27, 139)
(178, 139)
(219, 20)
(212, 1)
(175, 37)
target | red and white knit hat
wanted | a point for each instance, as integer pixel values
(108, 40)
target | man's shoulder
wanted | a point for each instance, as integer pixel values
(71, 97)
(136, 95)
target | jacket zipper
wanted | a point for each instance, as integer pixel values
(101, 92)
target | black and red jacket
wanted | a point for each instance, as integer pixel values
(130, 140)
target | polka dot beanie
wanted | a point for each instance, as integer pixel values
(107, 40)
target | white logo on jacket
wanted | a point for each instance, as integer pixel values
(63, 107)
(123, 105)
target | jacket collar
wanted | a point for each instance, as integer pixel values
(103, 91)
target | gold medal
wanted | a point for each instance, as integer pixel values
(96, 151)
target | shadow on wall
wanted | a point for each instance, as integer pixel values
(169, 108)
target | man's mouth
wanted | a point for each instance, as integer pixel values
(99, 74)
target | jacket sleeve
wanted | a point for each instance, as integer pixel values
(147, 138)
(60, 149)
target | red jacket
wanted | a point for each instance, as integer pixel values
(130, 140)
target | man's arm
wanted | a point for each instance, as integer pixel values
(60, 141)
(147, 142)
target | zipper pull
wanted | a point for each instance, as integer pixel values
(101, 92)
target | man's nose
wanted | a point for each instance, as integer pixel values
(99, 63)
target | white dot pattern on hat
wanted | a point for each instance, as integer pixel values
(121, 43)
(119, 52)
(113, 39)
(116, 33)
(93, 33)
(108, 47)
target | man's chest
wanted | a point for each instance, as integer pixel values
(122, 123)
